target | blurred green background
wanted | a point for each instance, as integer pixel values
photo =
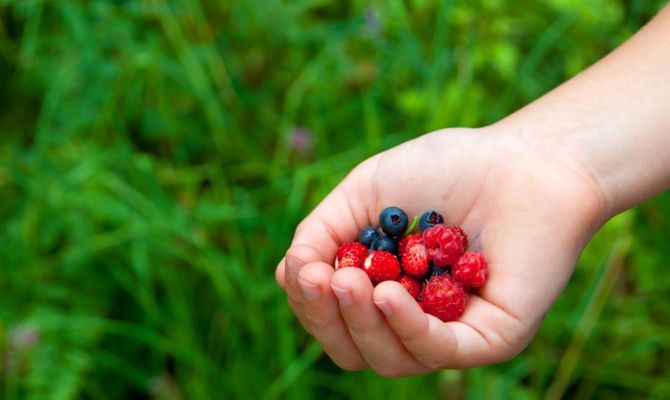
(155, 157)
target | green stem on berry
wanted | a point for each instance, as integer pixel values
(411, 226)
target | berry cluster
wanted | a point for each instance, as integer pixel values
(432, 264)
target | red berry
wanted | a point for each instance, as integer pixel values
(381, 266)
(444, 297)
(412, 285)
(471, 269)
(402, 244)
(445, 244)
(464, 237)
(431, 234)
(414, 259)
(350, 255)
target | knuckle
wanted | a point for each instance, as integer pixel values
(389, 372)
(349, 364)
(318, 324)
(431, 361)
(300, 228)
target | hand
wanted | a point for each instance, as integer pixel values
(528, 209)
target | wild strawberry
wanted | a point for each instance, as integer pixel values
(402, 244)
(471, 269)
(350, 255)
(413, 285)
(444, 297)
(414, 259)
(381, 266)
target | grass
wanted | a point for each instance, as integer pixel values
(152, 172)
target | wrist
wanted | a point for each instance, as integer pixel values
(558, 150)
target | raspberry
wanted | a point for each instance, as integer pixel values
(444, 244)
(381, 266)
(471, 269)
(402, 244)
(350, 255)
(463, 236)
(414, 259)
(431, 234)
(412, 285)
(444, 297)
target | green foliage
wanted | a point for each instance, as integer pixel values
(155, 157)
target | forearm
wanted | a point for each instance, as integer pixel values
(612, 122)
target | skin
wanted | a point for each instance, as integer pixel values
(529, 191)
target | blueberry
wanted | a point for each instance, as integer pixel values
(435, 270)
(430, 218)
(393, 221)
(385, 243)
(368, 235)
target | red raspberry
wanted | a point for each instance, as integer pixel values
(402, 244)
(464, 237)
(431, 234)
(414, 259)
(350, 255)
(444, 297)
(471, 269)
(444, 244)
(381, 266)
(412, 285)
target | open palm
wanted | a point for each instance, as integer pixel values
(529, 211)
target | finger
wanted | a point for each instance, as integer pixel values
(296, 257)
(341, 215)
(322, 314)
(380, 347)
(279, 272)
(296, 307)
(471, 341)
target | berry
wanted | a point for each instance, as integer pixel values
(381, 266)
(413, 285)
(430, 218)
(385, 243)
(471, 269)
(444, 244)
(414, 259)
(368, 235)
(350, 255)
(444, 297)
(464, 237)
(435, 270)
(393, 221)
(402, 244)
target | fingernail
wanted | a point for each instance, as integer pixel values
(293, 267)
(385, 307)
(343, 295)
(309, 290)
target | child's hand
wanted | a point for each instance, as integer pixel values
(527, 208)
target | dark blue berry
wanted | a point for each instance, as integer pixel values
(430, 218)
(385, 243)
(393, 221)
(435, 270)
(368, 235)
